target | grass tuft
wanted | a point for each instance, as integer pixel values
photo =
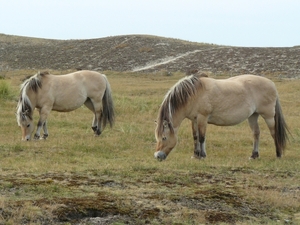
(5, 90)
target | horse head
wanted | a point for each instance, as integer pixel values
(25, 121)
(25, 107)
(166, 140)
(24, 117)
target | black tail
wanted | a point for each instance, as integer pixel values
(281, 130)
(108, 106)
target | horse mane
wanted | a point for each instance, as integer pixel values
(34, 83)
(176, 98)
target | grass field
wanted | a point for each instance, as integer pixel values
(76, 178)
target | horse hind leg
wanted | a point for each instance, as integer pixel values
(271, 124)
(253, 123)
(89, 104)
(97, 120)
(95, 126)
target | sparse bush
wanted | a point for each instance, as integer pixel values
(145, 49)
(5, 91)
(122, 45)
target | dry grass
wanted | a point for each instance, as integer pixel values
(74, 176)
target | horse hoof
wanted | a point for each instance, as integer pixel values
(197, 157)
(254, 155)
(36, 137)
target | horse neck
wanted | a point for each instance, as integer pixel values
(32, 98)
(177, 118)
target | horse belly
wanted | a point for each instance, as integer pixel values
(69, 104)
(230, 117)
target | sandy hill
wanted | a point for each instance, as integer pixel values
(144, 53)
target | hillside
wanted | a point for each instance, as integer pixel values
(144, 54)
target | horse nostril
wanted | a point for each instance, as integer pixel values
(160, 156)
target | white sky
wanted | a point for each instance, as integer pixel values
(249, 23)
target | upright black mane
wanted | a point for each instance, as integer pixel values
(34, 82)
(176, 98)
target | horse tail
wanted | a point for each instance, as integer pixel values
(108, 111)
(281, 130)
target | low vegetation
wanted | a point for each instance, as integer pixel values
(145, 53)
(5, 92)
(76, 178)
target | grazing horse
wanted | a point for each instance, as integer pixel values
(223, 102)
(64, 93)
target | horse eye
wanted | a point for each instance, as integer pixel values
(28, 125)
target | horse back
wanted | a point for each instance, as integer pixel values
(258, 88)
(243, 86)
(69, 91)
(81, 80)
(230, 101)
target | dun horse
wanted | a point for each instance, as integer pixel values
(225, 102)
(64, 93)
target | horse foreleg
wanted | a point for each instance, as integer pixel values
(38, 130)
(41, 124)
(199, 130)
(252, 120)
(45, 135)
(196, 140)
(202, 146)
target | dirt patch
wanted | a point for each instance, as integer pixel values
(99, 206)
(99, 200)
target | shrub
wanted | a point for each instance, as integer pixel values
(145, 49)
(5, 91)
(121, 46)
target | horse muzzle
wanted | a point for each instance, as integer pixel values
(160, 156)
(26, 139)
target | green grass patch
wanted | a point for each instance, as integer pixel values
(5, 90)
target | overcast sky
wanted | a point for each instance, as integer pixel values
(249, 23)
